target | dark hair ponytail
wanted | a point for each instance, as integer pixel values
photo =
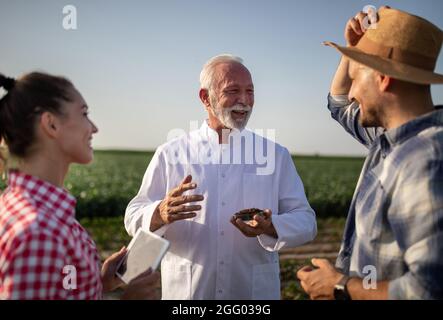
(25, 100)
(6, 83)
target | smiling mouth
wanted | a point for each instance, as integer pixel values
(240, 113)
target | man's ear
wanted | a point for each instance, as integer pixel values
(49, 124)
(204, 97)
(384, 82)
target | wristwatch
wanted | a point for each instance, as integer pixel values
(341, 290)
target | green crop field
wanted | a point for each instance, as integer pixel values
(104, 188)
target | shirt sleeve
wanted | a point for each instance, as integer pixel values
(152, 191)
(347, 114)
(34, 269)
(417, 222)
(295, 222)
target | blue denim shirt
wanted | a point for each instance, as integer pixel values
(395, 223)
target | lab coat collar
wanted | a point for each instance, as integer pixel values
(210, 135)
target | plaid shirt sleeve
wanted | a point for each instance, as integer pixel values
(417, 221)
(34, 268)
(347, 114)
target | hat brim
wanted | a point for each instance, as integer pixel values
(389, 67)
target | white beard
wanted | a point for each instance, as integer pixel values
(224, 115)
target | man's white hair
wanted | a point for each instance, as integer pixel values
(207, 73)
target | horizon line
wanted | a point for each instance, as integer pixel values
(135, 150)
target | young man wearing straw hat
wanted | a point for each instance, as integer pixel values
(393, 240)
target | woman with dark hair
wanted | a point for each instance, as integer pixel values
(44, 252)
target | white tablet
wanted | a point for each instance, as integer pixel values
(145, 251)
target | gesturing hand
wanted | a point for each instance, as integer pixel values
(173, 208)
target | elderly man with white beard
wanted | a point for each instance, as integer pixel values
(192, 201)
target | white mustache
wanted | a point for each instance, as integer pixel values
(239, 107)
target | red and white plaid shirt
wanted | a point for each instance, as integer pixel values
(44, 252)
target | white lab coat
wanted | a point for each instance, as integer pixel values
(209, 258)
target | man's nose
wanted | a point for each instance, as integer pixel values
(243, 99)
(351, 95)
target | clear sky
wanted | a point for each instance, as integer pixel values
(137, 63)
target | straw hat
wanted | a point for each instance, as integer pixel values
(401, 45)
